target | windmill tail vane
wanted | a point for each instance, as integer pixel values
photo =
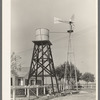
(58, 20)
(70, 22)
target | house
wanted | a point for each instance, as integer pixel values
(22, 76)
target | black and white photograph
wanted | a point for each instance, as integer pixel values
(53, 53)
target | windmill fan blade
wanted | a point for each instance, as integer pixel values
(73, 26)
(57, 20)
(72, 18)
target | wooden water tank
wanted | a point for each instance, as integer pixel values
(42, 34)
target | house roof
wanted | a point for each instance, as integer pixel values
(13, 73)
(24, 72)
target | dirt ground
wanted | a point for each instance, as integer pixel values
(84, 95)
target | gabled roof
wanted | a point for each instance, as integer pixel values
(24, 72)
(13, 73)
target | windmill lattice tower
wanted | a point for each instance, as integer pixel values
(42, 64)
(70, 61)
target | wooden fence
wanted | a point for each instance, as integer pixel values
(27, 91)
(36, 90)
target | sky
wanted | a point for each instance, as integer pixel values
(28, 15)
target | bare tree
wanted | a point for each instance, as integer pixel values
(15, 63)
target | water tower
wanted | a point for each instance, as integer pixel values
(42, 64)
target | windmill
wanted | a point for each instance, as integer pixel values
(70, 52)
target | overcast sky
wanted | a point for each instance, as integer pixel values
(28, 15)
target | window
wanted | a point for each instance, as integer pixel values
(26, 81)
(39, 82)
(11, 82)
(19, 81)
(32, 82)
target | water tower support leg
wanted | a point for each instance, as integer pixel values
(54, 70)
